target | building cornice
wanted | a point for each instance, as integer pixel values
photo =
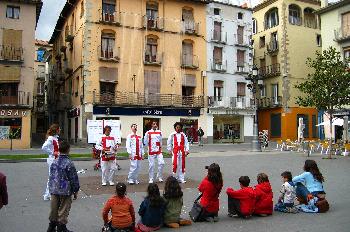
(333, 6)
(269, 2)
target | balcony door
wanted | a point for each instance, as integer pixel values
(274, 94)
(345, 22)
(107, 45)
(187, 51)
(240, 32)
(108, 10)
(107, 92)
(217, 31)
(218, 90)
(188, 20)
(9, 93)
(151, 50)
(151, 14)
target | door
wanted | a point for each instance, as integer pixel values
(187, 50)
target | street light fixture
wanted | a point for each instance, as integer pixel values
(134, 79)
(256, 82)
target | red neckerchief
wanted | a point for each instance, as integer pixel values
(104, 145)
(137, 155)
(176, 150)
(150, 152)
(55, 148)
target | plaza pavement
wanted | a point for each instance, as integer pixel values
(28, 212)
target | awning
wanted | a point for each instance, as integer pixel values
(189, 80)
(10, 74)
(108, 74)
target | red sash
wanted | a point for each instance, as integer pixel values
(176, 150)
(137, 155)
(150, 144)
(55, 148)
(104, 145)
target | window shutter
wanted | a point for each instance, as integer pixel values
(12, 38)
(240, 89)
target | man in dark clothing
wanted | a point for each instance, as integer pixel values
(63, 183)
(3, 191)
(200, 133)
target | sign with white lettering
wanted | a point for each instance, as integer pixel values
(12, 113)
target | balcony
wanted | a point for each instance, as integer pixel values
(20, 99)
(219, 37)
(242, 41)
(270, 70)
(156, 24)
(230, 102)
(112, 18)
(272, 47)
(11, 54)
(153, 59)
(342, 34)
(242, 68)
(190, 27)
(108, 54)
(189, 61)
(219, 66)
(40, 76)
(269, 102)
(150, 99)
(310, 23)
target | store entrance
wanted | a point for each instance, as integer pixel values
(227, 129)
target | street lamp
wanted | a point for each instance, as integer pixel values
(134, 79)
(256, 82)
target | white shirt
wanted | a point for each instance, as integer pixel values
(287, 193)
(48, 146)
(111, 144)
(170, 142)
(131, 145)
(153, 140)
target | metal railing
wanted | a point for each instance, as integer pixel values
(153, 59)
(272, 47)
(242, 68)
(189, 61)
(20, 98)
(242, 40)
(108, 54)
(270, 70)
(40, 75)
(219, 37)
(230, 102)
(310, 23)
(11, 53)
(153, 23)
(109, 17)
(219, 66)
(147, 99)
(342, 34)
(269, 102)
(190, 27)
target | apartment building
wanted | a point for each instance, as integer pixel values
(285, 33)
(133, 61)
(18, 21)
(229, 60)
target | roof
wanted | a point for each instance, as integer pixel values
(38, 3)
(42, 43)
(332, 6)
(244, 6)
(267, 3)
(68, 8)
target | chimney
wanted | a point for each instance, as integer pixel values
(324, 3)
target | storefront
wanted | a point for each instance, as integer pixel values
(15, 125)
(228, 128)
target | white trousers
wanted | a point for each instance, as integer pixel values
(49, 161)
(135, 166)
(151, 161)
(179, 175)
(108, 169)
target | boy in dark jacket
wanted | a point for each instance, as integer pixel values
(63, 183)
(264, 196)
(241, 202)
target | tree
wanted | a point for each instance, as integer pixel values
(328, 87)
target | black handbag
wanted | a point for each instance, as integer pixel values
(197, 210)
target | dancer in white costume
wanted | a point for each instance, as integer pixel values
(51, 148)
(153, 140)
(178, 146)
(108, 146)
(134, 147)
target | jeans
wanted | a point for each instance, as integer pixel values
(302, 192)
(234, 207)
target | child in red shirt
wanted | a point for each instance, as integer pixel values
(264, 196)
(241, 202)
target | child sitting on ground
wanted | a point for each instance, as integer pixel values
(241, 202)
(264, 196)
(151, 210)
(174, 202)
(122, 209)
(287, 194)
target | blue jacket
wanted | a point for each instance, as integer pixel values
(151, 216)
(63, 178)
(308, 180)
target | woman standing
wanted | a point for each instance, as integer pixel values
(51, 148)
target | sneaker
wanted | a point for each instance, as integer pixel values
(232, 215)
(104, 183)
(150, 181)
(111, 183)
(47, 198)
(160, 180)
(209, 219)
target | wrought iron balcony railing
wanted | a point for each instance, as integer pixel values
(108, 54)
(109, 17)
(11, 53)
(153, 59)
(151, 23)
(189, 61)
(269, 102)
(190, 27)
(219, 66)
(230, 102)
(19, 98)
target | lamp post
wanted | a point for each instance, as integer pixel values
(256, 81)
(134, 79)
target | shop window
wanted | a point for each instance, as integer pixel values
(12, 12)
(10, 128)
(275, 124)
(147, 124)
(306, 124)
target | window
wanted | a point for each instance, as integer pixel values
(240, 32)
(218, 90)
(271, 18)
(294, 15)
(77, 86)
(82, 9)
(12, 126)
(275, 124)
(107, 92)
(240, 15)
(40, 88)
(263, 91)
(189, 26)
(217, 55)
(187, 53)
(262, 41)
(345, 22)
(255, 26)
(274, 94)
(151, 50)
(305, 122)
(216, 11)
(217, 31)
(12, 12)
(241, 86)
(309, 18)
(319, 40)
(347, 53)
(108, 7)
(273, 46)
(107, 46)
(151, 11)
(240, 58)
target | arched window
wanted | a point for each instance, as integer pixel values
(271, 18)
(107, 44)
(151, 49)
(294, 15)
(255, 26)
(309, 18)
